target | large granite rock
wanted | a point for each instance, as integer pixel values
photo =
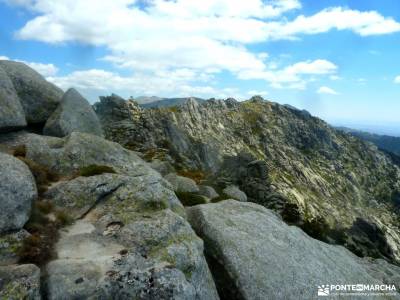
(68, 155)
(38, 97)
(128, 245)
(255, 255)
(17, 191)
(20, 282)
(73, 114)
(12, 114)
(83, 193)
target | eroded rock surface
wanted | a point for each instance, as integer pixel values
(20, 282)
(130, 246)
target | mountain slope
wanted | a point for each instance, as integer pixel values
(385, 142)
(335, 186)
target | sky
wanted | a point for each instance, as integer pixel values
(340, 60)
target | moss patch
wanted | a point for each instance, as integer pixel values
(93, 170)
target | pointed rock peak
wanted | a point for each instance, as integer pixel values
(71, 92)
(73, 114)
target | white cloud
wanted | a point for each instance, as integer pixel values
(4, 58)
(96, 82)
(186, 33)
(326, 90)
(362, 23)
(190, 40)
(335, 77)
(294, 76)
(44, 69)
(397, 79)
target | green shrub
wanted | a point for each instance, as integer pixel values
(93, 170)
(190, 199)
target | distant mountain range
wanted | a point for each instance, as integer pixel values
(383, 142)
(154, 101)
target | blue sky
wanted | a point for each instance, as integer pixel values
(337, 59)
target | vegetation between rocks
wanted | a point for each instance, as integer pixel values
(43, 226)
(190, 199)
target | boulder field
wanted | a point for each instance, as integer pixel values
(85, 217)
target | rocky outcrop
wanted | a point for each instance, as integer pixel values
(20, 282)
(38, 97)
(282, 158)
(12, 114)
(74, 113)
(254, 255)
(17, 192)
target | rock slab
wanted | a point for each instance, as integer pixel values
(255, 255)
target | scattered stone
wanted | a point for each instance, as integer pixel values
(74, 113)
(182, 184)
(208, 191)
(235, 193)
